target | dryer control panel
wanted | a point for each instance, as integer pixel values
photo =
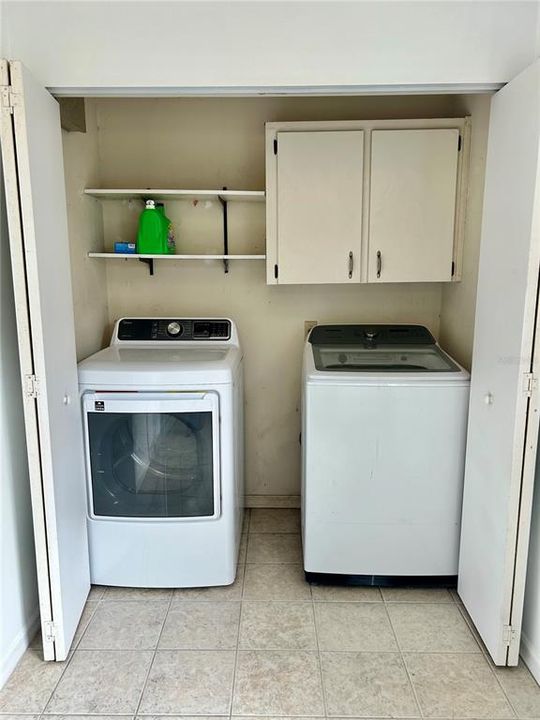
(137, 329)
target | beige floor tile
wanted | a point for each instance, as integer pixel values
(456, 685)
(274, 548)
(271, 520)
(201, 626)
(189, 682)
(222, 592)
(354, 626)
(275, 582)
(277, 626)
(345, 593)
(417, 595)
(30, 685)
(101, 682)
(125, 625)
(521, 689)
(431, 628)
(137, 594)
(96, 593)
(277, 683)
(364, 684)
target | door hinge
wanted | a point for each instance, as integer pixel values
(453, 268)
(509, 635)
(275, 146)
(530, 383)
(31, 386)
(49, 630)
(459, 143)
(276, 271)
(9, 99)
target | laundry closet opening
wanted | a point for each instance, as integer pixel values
(216, 143)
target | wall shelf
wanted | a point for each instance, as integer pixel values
(149, 259)
(171, 194)
(223, 196)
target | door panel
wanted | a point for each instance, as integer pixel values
(319, 201)
(33, 167)
(413, 205)
(503, 419)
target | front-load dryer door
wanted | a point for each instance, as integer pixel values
(152, 456)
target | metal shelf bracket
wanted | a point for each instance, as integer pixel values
(150, 263)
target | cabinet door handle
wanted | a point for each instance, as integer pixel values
(351, 264)
(379, 263)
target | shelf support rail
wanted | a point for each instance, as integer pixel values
(223, 202)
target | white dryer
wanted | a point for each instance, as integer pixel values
(163, 422)
(384, 427)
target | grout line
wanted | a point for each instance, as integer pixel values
(151, 664)
(233, 685)
(402, 656)
(319, 654)
(486, 657)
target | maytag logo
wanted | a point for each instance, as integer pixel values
(99, 406)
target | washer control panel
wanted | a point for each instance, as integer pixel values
(137, 329)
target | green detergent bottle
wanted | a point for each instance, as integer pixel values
(152, 231)
(169, 242)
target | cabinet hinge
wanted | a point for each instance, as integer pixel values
(31, 386)
(276, 271)
(530, 383)
(509, 635)
(49, 630)
(275, 146)
(9, 98)
(459, 143)
(453, 268)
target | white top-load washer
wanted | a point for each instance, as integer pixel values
(163, 422)
(383, 444)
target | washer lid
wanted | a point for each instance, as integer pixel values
(371, 336)
(409, 359)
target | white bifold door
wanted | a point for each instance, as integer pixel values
(31, 144)
(504, 403)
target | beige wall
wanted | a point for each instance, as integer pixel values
(214, 142)
(85, 226)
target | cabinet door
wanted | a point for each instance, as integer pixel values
(413, 205)
(319, 206)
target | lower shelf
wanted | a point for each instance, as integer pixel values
(133, 256)
(149, 259)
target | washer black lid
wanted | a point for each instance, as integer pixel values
(371, 335)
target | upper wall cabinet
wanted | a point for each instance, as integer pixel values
(365, 201)
(319, 199)
(412, 205)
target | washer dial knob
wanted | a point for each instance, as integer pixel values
(174, 329)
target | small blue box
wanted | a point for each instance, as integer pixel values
(124, 248)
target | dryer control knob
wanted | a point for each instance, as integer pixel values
(174, 329)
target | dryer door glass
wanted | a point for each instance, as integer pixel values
(152, 465)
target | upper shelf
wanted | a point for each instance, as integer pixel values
(169, 194)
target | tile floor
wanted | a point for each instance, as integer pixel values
(270, 645)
